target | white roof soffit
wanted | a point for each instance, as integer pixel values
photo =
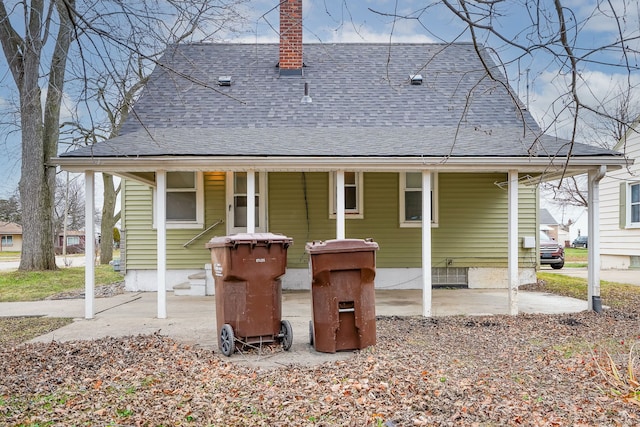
(453, 164)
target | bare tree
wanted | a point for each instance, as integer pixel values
(604, 130)
(69, 204)
(40, 35)
(113, 88)
(545, 36)
(10, 210)
(25, 55)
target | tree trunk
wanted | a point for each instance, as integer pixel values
(40, 129)
(108, 219)
(36, 182)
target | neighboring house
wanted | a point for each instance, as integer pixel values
(10, 237)
(75, 242)
(327, 141)
(549, 225)
(553, 228)
(620, 209)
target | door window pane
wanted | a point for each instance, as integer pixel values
(240, 211)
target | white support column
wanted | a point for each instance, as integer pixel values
(251, 201)
(593, 263)
(427, 284)
(89, 245)
(161, 231)
(340, 215)
(513, 242)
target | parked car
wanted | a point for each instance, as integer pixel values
(580, 242)
(551, 252)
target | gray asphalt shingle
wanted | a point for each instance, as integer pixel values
(363, 105)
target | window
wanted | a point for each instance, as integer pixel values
(185, 200)
(634, 205)
(7, 241)
(73, 240)
(411, 199)
(353, 195)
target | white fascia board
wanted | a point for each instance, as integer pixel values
(324, 164)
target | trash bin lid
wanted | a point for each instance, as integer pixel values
(341, 245)
(248, 239)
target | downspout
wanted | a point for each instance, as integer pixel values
(593, 274)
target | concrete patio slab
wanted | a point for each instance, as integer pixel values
(192, 319)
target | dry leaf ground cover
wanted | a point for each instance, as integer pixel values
(542, 370)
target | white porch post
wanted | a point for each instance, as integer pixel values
(427, 284)
(251, 201)
(513, 242)
(89, 245)
(161, 231)
(593, 269)
(340, 215)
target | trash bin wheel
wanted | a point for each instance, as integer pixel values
(311, 332)
(226, 340)
(287, 334)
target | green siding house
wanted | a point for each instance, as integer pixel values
(325, 141)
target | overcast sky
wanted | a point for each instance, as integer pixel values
(382, 21)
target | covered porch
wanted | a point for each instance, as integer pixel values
(425, 297)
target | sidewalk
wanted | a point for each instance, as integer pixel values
(71, 261)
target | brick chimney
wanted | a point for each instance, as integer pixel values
(291, 37)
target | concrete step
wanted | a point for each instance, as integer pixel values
(196, 286)
(182, 289)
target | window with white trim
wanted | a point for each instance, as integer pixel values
(634, 205)
(73, 240)
(7, 241)
(411, 199)
(353, 195)
(185, 200)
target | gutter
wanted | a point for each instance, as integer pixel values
(544, 165)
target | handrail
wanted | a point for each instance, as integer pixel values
(220, 221)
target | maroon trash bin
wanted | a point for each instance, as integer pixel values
(342, 294)
(247, 268)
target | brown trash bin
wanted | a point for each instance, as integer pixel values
(342, 294)
(247, 268)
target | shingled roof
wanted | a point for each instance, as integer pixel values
(363, 104)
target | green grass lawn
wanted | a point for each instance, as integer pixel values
(9, 256)
(575, 257)
(37, 285)
(613, 294)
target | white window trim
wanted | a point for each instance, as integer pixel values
(7, 241)
(434, 202)
(628, 207)
(358, 213)
(74, 239)
(199, 222)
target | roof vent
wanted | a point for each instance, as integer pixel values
(416, 79)
(306, 99)
(224, 81)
